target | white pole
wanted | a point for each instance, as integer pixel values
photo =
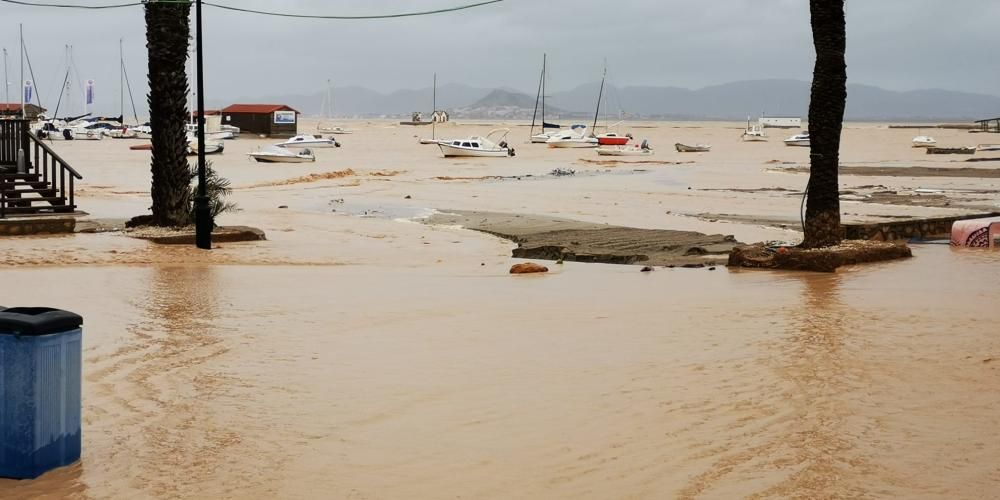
(6, 79)
(21, 29)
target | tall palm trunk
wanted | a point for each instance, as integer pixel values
(167, 34)
(826, 119)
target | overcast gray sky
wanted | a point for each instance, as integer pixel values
(896, 44)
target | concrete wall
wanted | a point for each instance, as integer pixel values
(922, 229)
(41, 225)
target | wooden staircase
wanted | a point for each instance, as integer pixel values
(34, 180)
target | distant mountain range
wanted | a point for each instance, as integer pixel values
(731, 101)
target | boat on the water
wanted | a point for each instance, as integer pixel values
(697, 148)
(800, 139)
(211, 147)
(327, 114)
(924, 141)
(542, 136)
(576, 137)
(988, 147)
(934, 150)
(643, 149)
(754, 133)
(493, 145)
(309, 141)
(54, 131)
(274, 154)
(613, 139)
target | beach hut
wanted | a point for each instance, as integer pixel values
(272, 120)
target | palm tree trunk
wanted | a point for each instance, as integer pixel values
(167, 34)
(826, 119)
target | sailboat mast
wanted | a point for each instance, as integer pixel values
(6, 79)
(600, 94)
(21, 30)
(121, 80)
(544, 61)
(434, 100)
(534, 114)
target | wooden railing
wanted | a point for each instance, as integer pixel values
(54, 170)
(14, 138)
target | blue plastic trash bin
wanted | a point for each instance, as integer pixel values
(40, 377)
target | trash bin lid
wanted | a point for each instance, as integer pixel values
(37, 320)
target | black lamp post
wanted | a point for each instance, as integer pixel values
(202, 211)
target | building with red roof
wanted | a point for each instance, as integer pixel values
(13, 110)
(272, 120)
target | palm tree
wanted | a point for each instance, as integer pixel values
(167, 34)
(826, 119)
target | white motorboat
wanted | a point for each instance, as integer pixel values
(309, 141)
(577, 137)
(333, 130)
(924, 141)
(626, 150)
(87, 131)
(697, 148)
(478, 146)
(801, 139)
(211, 147)
(274, 154)
(754, 133)
(52, 131)
(217, 135)
(233, 130)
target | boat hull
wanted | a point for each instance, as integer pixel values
(308, 145)
(612, 141)
(798, 142)
(267, 158)
(624, 152)
(698, 148)
(450, 151)
(572, 143)
(950, 151)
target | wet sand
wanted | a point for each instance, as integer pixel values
(357, 354)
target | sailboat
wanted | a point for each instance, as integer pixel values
(327, 115)
(123, 132)
(543, 136)
(608, 138)
(434, 139)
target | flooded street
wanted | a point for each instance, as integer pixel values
(369, 357)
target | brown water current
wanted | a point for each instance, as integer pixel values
(369, 358)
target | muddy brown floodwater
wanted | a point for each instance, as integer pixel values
(355, 355)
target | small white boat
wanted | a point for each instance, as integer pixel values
(924, 141)
(333, 130)
(988, 147)
(543, 137)
(577, 137)
(801, 139)
(309, 141)
(697, 148)
(122, 133)
(87, 132)
(478, 146)
(274, 154)
(50, 131)
(754, 133)
(211, 147)
(626, 150)
(142, 132)
(217, 135)
(233, 131)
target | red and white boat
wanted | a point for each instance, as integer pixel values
(610, 138)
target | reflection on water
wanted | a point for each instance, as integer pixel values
(364, 382)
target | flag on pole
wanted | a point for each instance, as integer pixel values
(90, 92)
(28, 90)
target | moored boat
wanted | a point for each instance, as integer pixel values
(924, 141)
(754, 133)
(801, 139)
(577, 137)
(697, 148)
(626, 150)
(274, 154)
(613, 139)
(309, 141)
(478, 146)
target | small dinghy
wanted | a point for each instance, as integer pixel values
(950, 151)
(923, 141)
(697, 148)
(274, 154)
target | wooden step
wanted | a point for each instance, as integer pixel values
(7, 184)
(39, 209)
(5, 177)
(51, 199)
(29, 190)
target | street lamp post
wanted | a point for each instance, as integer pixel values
(202, 212)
